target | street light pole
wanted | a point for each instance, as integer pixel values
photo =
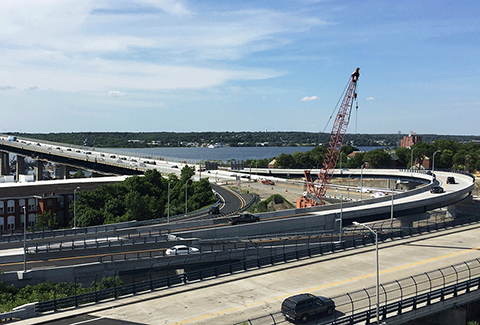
(361, 181)
(24, 239)
(186, 193)
(75, 207)
(341, 217)
(433, 160)
(411, 158)
(168, 206)
(377, 291)
(391, 214)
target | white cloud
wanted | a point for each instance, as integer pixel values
(370, 98)
(96, 45)
(308, 99)
(172, 7)
(116, 93)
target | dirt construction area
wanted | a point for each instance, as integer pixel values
(292, 190)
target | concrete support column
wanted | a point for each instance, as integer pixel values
(406, 222)
(451, 211)
(388, 184)
(4, 163)
(20, 166)
(68, 169)
(62, 171)
(39, 171)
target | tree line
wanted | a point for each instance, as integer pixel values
(233, 139)
(143, 198)
(11, 296)
(448, 154)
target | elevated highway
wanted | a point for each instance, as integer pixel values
(316, 219)
(255, 296)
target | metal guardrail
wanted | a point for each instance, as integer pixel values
(9, 236)
(315, 250)
(397, 297)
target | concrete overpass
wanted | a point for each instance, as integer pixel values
(419, 200)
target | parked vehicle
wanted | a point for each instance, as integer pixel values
(450, 180)
(267, 182)
(304, 306)
(437, 189)
(181, 250)
(244, 218)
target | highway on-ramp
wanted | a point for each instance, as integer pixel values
(249, 295)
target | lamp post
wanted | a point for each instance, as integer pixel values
(341, 217)
(377, 292)
(75, 207)
(361, 181)
(411, 158)
(433, 160)
(24, 239)
(186, 193)
(391, 214)
(466, 162)
(168, 206)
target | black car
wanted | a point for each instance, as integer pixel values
(244, 218)
(450, 180)
(304, 306)
(214, 209)
(437, 189)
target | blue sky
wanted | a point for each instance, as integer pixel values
(153, 65)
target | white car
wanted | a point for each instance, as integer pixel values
(377, 195)
(181, 250)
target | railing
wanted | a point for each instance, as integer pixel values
(397, 297)
(10, 236)
(356, 302)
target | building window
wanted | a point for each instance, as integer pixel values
(10, 206)
(32, 205)
(11, 223)
(2, 224)
(32, 220)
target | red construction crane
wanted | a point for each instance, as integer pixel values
(316, 189)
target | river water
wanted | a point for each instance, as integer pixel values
(197, 154)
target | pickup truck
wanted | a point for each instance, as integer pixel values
(244, 218)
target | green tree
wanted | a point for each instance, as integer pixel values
(356, 161)
(284, 161)
(403, 155)
(78, 174)
(377, 158)
(302, 159)
(47, 220)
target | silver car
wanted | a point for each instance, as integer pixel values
(181, 250)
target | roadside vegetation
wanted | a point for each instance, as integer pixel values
(273, 203)
(232, 139)
(142, 198)
(11, 297)
(449, 154)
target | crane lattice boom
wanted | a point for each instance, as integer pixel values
(333, 151)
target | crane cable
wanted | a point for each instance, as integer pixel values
(336, 106)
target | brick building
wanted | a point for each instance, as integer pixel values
(40, 197)
(410, 140)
